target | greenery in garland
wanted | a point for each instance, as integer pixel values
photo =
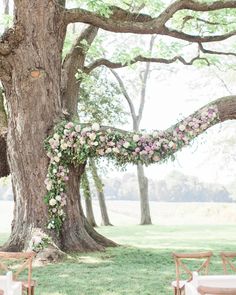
(73, 143)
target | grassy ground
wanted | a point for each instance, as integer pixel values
(143, 265)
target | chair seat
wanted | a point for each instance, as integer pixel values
(181, 284)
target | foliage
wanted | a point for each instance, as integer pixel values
(74, 143)
(100, 99)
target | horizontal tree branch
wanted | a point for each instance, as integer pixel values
(196, 38)
(190, 17)
(116, 65)
(136, 147)
(204, 50)
(126, 22)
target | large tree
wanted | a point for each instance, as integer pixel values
(41, 89)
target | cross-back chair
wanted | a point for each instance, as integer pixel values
(183, 269)
(203, 290)
(17, 262)
(228, 261)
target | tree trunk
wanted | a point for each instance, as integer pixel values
(142, 180)
(88, 199)
(100, 194)
(144, 202)
(34, 104)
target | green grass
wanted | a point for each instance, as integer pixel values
(143, 265)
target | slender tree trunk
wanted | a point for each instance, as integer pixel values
(34, 104)
(88, 199)
(142, 180)
(6, 7)
(100, 194)
(143, 189)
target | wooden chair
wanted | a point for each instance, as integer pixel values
(1, 292)
(21, 261)
(203, 290)
(182, 268)
(227, 260)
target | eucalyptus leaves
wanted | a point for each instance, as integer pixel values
(73, 143)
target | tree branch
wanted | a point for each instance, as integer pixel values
(195, 38)
(125, 22)
(204, 50)
(72, 63)
(127, 97)
(144, 82)
(190, 17)
(116, 65)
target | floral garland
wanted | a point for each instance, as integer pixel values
(73, 143)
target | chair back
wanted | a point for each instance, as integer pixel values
(186, 263)
(229, 261)
(203, 290)
(17, 262)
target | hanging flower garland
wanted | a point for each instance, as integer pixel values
(73, 143)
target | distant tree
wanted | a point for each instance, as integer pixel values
(88, 199)
(136, 119)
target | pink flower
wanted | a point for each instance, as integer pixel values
(69, 125)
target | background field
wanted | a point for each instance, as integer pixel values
(127, 213)
(144, 264)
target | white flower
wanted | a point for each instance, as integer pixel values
(95, 126)
(116, 150)
(108, 150)
(59, 155)
(64, 146)
(92, 136)
(182, 127)
(81, 140)
(54, 171)
(60, 212)
(136, 137)
(101, 152)
(52, 202)
(56, 159)
(36, 240)
(56, 136)
(58, 198)
(171, 144)
(155, 134)
(126, 144)
(156, 158)
(49, 186)
(77, 128)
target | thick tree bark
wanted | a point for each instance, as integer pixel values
(88, 199)
(100, 194)
(34, 104)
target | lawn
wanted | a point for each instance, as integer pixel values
(143, 265)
